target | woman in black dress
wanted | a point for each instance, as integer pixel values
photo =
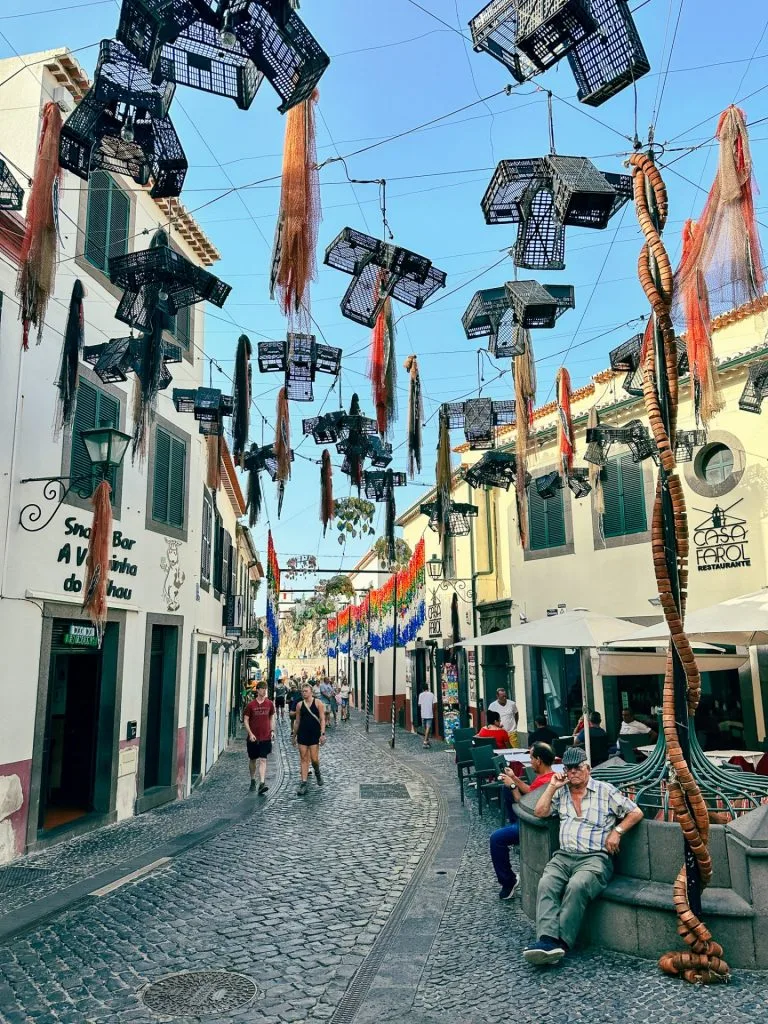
(309, 734)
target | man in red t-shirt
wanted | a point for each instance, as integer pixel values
(542, 758)
(259, 721)
(493, 729)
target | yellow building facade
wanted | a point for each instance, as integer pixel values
(574, 560)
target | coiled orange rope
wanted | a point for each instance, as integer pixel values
(703, 962)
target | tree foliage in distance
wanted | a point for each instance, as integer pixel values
(402, 553)
(339, 586)
(354, 518)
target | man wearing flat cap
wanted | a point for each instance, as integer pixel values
(593, 818)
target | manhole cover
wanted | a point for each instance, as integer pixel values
(199, 992)
(18, 878)
(384, 791)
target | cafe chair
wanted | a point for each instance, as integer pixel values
(484, 741)
(487, 767)
(762, 765)
(464, 762)
(463, 734)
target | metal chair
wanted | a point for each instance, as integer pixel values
(464, 762)
(463, 734)
(486, 766)
(484, 741)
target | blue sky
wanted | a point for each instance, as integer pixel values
(394, 68)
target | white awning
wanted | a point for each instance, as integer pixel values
(579, 628)
(651, 663)
(740, 621)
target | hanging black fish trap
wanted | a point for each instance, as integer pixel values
(494, 469)
(380, 270)
(490, 314)
(11, 192)
(456, 520)
(626, 358)
(537, 305)
(122, 125)
(299, 357)
(208, 405)
(114, 360)
(756, 387)
(479, 418)
(494, 30)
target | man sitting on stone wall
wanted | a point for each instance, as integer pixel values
(590, 835)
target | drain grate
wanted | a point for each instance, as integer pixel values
(20, 878)
(199, 992)
(384, 791)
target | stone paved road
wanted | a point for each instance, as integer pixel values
(297, 895)
(294, 897)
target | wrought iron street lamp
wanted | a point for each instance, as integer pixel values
(105, 448)
(459, 588)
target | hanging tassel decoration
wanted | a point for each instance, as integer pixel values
(389, 519)
(214, 453)
(455, 620)
(294, 255)
(326, 490)
(595, 475)
(415, 416)
(354, 455)
(282, 447)
(37, 269)
(254, 496)
(74, 337)
(97, 563)
(564, 422)
(382, 369)
(524, 370)
(705, 388)
(241, 419)
(443, 494)
(147, 385)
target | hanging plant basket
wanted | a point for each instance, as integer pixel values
(354, 518)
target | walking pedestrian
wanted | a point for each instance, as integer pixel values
(344, 692)
(308, 735)
(280, 692)
(427, 712)
(259, 721)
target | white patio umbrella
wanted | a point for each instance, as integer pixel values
(580, 628)
(739, 621)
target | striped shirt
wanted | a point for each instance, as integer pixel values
(602, 806)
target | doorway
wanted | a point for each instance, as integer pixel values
(71, 737)
(159, 725)
(199, 715)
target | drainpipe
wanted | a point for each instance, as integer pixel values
(475, 573)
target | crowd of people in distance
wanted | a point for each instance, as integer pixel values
(312, 703)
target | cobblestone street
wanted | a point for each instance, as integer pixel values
(337, 907)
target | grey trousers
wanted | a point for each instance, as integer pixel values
(570, 882)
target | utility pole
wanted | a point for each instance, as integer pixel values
(394, 664)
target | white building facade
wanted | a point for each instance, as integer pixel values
(90, 734)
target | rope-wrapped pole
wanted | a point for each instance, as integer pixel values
(669, 540)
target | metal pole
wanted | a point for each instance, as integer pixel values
(349, 649)
(478, 653)
(394, 665)
(584, 667)
(693, 875)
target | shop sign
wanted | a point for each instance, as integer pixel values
(721, 541)
(472, 675)
(75, 554)
(80, 635)
(233, 615)
(434, 617)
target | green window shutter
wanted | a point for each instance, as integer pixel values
(546, 521)
(182, 328)
(84, 419)
(161, 476)
(97, 219)
(119, 218)
(205, 561)
(107, 220)
(218, 556)
(177, 483)
(624, 497)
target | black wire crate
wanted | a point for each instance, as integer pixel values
(281, 46)
(578, 483)
(494, 469)
(611, 58)
(456, 520)
(197, 59)
(548, 485)
(540, 243)
(299, 357)
(146, 25)
(537, 305)
(755, 388)
(377, 482)
(507, 187)
(494, 30)
(11, 192)
(479, 418)
(120, 77)
(583, 196)
(548, 29)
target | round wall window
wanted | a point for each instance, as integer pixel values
(715, 465)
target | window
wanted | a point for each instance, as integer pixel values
(226, 557)
(546, 520)
(107, 219)
(218, 554)
(206, 539)
(624, 497)
(169, 479)
(716, 464)
(94, 408)
(182, 327)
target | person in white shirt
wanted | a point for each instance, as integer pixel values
(507, 712)
(630, 725)
(427, 712)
